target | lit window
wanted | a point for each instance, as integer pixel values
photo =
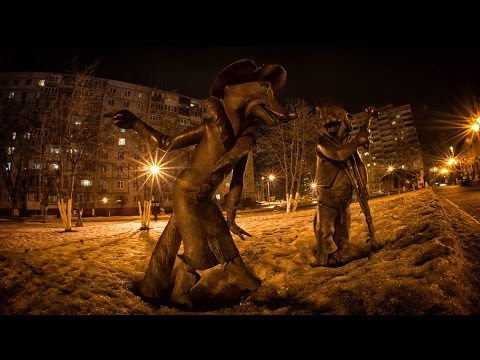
(9, 166)
(26, 136)
(55, 166)
(394, 122)
(123, 130)
(14, 135)
(86, 182)
(37, 166)
(121, 141)
(11, 94)
(140, 95)
(54, 150)
(11, 149)
(41, 82)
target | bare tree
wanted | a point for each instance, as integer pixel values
(288, 149)
(15, 148)
(72, 111)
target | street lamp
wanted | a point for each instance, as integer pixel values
(476, 126)
(152, 170)
(271, 178)
(313, 185)
(262, 190)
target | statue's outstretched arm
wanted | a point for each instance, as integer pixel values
(126, 120)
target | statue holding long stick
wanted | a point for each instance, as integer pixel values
(339, 172)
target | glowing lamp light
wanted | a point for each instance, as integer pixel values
(443, 171)
(476, 126)
(154, 169)
(271, 177)
(390, 169)
(313, 185)
(104, 200)
(451, 161)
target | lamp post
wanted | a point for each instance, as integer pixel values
(105, 201)
(262, 189)
(270, 179)
(314, 187)
(151, 170)
(154, 170)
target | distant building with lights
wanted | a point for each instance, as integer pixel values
(470, 155)
(394, 158)
(110, 186)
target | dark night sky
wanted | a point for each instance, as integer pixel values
(356, 76)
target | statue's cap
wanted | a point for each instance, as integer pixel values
(246, 70)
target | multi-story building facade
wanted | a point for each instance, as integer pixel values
(111, 183)
(469, 154)
(394, 149)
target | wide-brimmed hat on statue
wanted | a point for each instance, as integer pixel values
(246, 70)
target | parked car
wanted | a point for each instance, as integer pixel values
(465, 182)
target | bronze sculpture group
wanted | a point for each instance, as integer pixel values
(242, 94)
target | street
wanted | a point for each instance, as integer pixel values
(466, 198)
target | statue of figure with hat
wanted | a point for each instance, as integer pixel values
(339, 172)
(242, 94)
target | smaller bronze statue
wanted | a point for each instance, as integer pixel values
(241, 95)
(339, 172)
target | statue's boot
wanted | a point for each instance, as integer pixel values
(245, 280)
(322, 259)
(186, 278)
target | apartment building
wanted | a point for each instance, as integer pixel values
(111, 183)
(394, 158)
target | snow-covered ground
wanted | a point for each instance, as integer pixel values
(428, 264)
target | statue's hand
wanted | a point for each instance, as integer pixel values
(124, 119)
(372, 112)
(363, 137)
(237, 230)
